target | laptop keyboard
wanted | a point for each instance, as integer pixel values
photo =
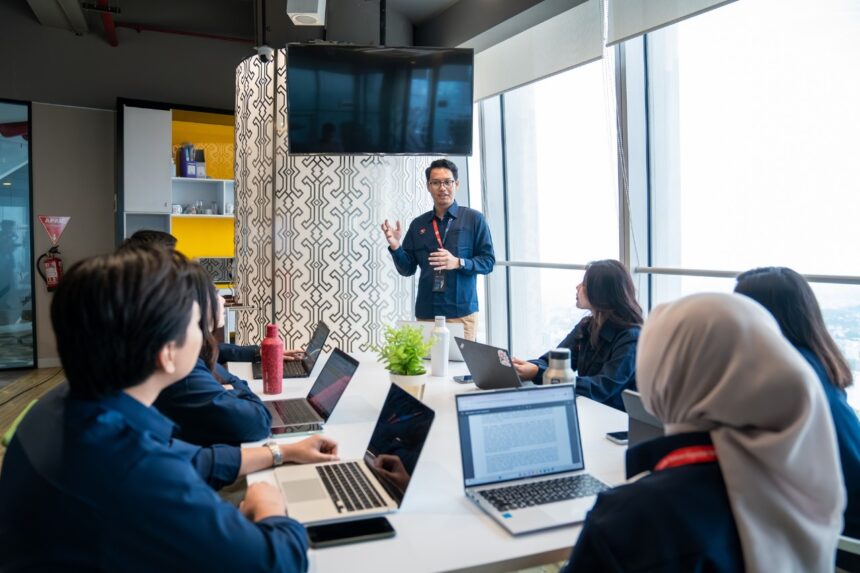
(539, 493)
(293, 368)
(295, 411)
(349, 488)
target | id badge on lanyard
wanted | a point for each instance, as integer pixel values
(439, 274)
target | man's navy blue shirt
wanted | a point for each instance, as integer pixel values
(99, 485)
(468, 238)
(675, 520)
(207, 413)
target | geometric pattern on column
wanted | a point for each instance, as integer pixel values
(330, 258)
(255, 81)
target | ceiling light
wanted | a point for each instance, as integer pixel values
(7, 184)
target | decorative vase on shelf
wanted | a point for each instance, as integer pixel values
(403, 353)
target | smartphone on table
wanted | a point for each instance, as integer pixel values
(466, 379)
(349, 532)
(619, 438)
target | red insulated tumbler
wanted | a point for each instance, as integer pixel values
(272, 357)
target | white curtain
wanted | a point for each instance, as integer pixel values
(565, 41)
(630, 18)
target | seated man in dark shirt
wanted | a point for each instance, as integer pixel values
(93, 481)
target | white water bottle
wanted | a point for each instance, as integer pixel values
(441, 347)
(559, 371)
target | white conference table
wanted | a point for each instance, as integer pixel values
(438, 528)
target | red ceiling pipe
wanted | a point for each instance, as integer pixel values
(147, 28)
(107, 22)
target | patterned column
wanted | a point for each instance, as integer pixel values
(316, 252)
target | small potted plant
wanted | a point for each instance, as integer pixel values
(403, 354)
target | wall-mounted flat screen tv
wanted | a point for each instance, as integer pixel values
(371, 99)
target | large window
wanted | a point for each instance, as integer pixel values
(754, 120)
(738, 150)
(556, 193)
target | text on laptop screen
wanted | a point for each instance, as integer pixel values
(518, 434)
(397, 440)
(331, 382)
(315, 346)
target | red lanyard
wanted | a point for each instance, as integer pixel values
(687, 456)
(439, 238)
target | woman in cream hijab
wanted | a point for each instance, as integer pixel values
(747, 475)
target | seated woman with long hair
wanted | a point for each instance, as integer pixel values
(790, 299)
(210, 405)
(746, 477)
(603, 344)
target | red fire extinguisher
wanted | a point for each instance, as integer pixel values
(53, 267)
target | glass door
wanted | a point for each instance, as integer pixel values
(17, 327)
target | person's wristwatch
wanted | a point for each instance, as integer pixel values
(277, 458)
(462, 263)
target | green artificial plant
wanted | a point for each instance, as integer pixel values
(404, 350)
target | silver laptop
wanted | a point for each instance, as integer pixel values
(311, 413)
(455, 328)
(491, 368)
(522, 457)
(376, 485)
(641, 425)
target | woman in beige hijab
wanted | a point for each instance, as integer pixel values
(747, 476)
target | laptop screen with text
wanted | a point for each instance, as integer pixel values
(517, 434)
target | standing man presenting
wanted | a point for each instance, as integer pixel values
(451, 244)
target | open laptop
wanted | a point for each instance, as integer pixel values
(455, 328)
(522, 457)
(311, 413)
(641, 426)
(300, 368)
(491, 368)
(346, 490)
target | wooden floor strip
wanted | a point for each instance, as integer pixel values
(28, 382)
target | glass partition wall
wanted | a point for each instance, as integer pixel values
(17, 330)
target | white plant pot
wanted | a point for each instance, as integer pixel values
(412, 384)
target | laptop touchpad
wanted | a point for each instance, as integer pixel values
(304, 490)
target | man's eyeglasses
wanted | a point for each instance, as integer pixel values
(437, 183)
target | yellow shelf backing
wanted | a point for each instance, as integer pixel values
(204, 236)
(216, 140)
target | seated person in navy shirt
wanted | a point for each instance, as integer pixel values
(210, 405)
(150, 238)
(92, 480)
(790, 299)
(746, 477)
(603, 344)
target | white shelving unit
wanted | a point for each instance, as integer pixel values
(216, 194)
